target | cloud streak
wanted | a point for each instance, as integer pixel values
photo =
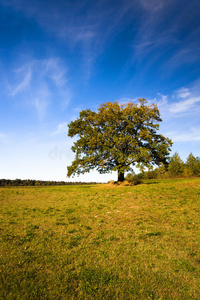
(91, 28)
(184, 101)
(23, 84)
(188, 105)
(61, 128)
(164, 36)
(41, 79)
(183, 92)
(180, 114)
(191, 135)
(154, 5)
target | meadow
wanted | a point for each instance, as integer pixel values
(101, 241)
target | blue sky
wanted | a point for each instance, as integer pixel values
(60, 58)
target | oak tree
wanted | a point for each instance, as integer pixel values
(118, 137)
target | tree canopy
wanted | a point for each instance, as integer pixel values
(118, 137)
(176, 165)
(193, 165)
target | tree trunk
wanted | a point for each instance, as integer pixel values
(120, 176)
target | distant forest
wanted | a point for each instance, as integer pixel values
(175, 168)
(30, 182)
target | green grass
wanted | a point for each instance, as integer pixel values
(101, 241)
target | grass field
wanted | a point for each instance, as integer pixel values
(101, 241)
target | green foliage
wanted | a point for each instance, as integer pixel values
(151, 174)
(161, 171)
(193, 165)
(176, 165)
(118, 137)
(129, 177)
(133, 178)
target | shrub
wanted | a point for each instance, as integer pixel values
(151, 174)
(134, 179)
(129, 177)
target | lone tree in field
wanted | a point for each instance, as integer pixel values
(118, 137)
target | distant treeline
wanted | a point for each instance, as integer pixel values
(29, 182)
(175, 168)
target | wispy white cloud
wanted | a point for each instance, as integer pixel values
(91, 27)
(61, 128)
(191, 135)
(188, 105)
(171, 43)
(126, 100)
(183, 92)
(78, 34)
(88, 27)
(22, 85)
(40, 106)
(56, 70)
(180, 113)
(182, 102)
(149, 35)
(154, 5)
(187, 54)
(41, 79)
